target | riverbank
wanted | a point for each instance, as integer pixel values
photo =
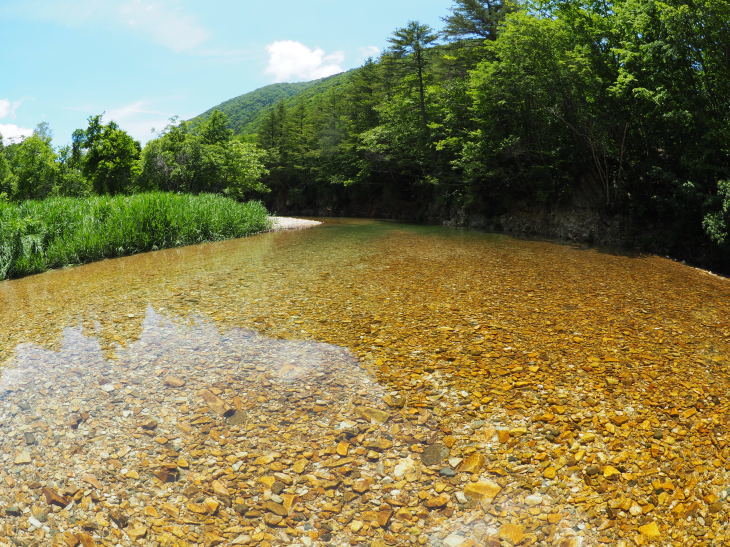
(279, 224)
(36, 236)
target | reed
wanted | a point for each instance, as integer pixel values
(36, 236)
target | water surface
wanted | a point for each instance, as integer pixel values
(576, 389)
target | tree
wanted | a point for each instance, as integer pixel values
(71, 181)
(239, 168)
(33, 163)
(111, 155)
(6, 175)
(215, 129)
(476, 18)
(181, 160)
(409, 43)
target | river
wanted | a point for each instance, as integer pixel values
(370, 383)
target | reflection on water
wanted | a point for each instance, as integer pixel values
(72, 418)
(366, 382)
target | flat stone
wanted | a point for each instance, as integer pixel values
(650, 530)
(434, 454)
(514, 533)
(373, 415)
(22, 457)
(482, 490)
(473, 463)
(173, 381)
(437, 501)
(54, 498)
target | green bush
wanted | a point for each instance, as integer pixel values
(36, 236)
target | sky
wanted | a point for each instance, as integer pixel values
(141, 62)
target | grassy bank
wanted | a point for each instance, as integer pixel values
(36, 236)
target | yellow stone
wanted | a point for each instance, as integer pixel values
(137, 531)
(438, 501)
(374, 415)
(610, 472)
(482, 491)
(268, 481)
(343, 448)
(219, 488)
(550, 473)
(151, 512)
(513, 533)
(473, 463)
(650, 530)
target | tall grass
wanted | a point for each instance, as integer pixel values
(36, 236)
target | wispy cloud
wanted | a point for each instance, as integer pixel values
(165, 22)
(368, 52)
(139, 119)
(162, 21)
(290, 60)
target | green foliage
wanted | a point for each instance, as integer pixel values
(477, 18)
(39, 235)
(204, 159)
(34, 168)
(243, 110)
(110, 156)
(620, 108)
(717, 224)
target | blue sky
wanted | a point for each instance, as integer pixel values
(143, 61)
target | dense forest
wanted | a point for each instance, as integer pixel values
(602, 121)
(606, 122)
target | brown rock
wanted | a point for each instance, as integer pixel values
(54, 498)
(276, 508)
(373, 415)
(173, 381)
(434, 454)
(472, 464)
(438, 501)
(215, 403)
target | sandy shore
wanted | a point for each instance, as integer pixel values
(289, 223)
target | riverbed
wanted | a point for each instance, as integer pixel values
(366, 383)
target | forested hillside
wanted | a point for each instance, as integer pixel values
(606, 122)
(242, 110)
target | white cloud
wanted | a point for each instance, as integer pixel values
(290, 60)
(8, 108)
(14, 133)
(162, 21)
(10, 131)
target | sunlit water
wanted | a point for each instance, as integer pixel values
(541, 357)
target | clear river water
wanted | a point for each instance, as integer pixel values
(366, 383)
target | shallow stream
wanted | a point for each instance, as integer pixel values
(366, 383)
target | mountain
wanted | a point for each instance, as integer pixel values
(247, 108)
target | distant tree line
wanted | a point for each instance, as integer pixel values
(104, 160)
(621, 107)
(617, 107)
